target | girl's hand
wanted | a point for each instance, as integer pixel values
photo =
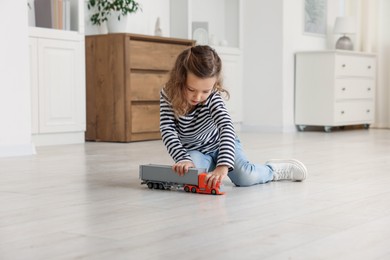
(216, 176)
(181, 168)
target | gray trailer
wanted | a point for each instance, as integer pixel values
(163, 177)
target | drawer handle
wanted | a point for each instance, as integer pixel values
(342, 112)
(368, 89)
(343, 65)
(369, 67)
(343, 89)
(368, 111)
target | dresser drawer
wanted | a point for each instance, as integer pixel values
(354, 88)
(355, 66)
(154, 56)
(146, 86)
(145, 117)
(351, 111)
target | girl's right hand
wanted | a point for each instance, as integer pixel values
(181, 168)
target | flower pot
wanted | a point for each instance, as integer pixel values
(117, 26)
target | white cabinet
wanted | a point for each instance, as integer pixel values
(334, 88)
(57, 73)
(232, 80)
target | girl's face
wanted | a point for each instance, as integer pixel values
(198, 89)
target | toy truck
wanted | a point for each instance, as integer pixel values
(163, 177)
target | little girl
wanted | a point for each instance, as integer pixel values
(197, 129)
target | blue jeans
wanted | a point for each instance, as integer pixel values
(244, 173)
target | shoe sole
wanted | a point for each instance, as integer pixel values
(296, 163)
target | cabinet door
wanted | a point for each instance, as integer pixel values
(61, 88)
(33, 51)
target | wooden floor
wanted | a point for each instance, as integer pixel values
(86, 202)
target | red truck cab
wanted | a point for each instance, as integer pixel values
(202, 187)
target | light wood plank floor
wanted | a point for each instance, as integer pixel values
(86, 202)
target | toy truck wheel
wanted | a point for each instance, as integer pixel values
(193, 190)
(150, 185)
(155, 185)
(213, 191)
(160, 186)
(186, 189)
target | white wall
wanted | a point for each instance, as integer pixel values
(383, 83)
(273, 32)
(262, 64)
(15, 111)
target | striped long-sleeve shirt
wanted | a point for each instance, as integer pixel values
(205, 129)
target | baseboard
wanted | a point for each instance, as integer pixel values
(58, 138)
(380, 126)
(17, 150)
(268, 129)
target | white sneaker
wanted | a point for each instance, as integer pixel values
(288, 169)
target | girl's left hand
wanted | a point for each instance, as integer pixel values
(216, 176)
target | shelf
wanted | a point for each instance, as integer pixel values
(223, 18)
(76, 23)
(227, 50)
(55, 34)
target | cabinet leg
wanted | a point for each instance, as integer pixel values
(301, 128)
(366, 126)
(328, 129)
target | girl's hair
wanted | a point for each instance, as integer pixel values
(203, 62)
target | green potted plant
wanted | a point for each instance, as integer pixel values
(115, 12)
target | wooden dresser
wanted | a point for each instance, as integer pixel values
(334, 88)
(124, 74)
